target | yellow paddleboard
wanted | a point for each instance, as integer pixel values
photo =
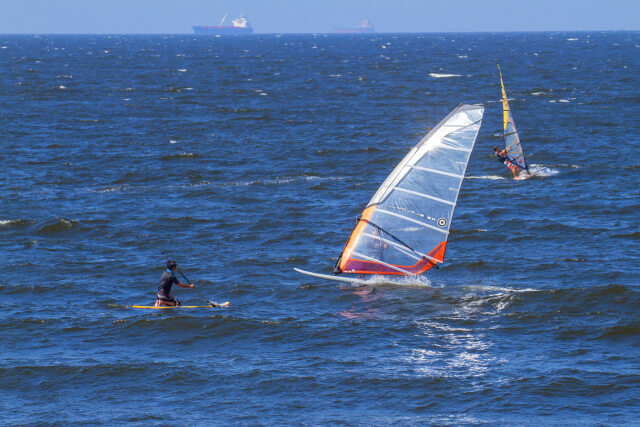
(223, 304)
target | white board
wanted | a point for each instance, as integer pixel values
(334, 278)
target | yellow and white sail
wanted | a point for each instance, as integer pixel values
(511, 139)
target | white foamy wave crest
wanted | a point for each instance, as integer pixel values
(542, 171)
(501, 289)
(443, 76)
(9, 221)
(421, 281)
(492, 177)
(570, 166)
(109, 189)
(283, 180)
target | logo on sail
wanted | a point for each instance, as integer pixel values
(442, 222)
(411, 211)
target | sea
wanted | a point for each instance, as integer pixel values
(244, 157)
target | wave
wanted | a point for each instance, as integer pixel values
(421, 281)
(493, 288)
(110, 189)
(57, 226)
(491, 177)
(635, 234)
(622, 331)
(542, 171)
(283, 180)
(13, 222)
(443, 75)
(181, 156)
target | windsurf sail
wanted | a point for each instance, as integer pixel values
(404, 228)
(511, 138)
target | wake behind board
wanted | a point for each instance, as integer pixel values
(532, 174)
(151, 307)
(334, 278)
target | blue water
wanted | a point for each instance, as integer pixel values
(246, 157)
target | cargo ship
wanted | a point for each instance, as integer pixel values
(364, 27)
(238, 26)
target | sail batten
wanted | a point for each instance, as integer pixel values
(437, 171)
(405, 227)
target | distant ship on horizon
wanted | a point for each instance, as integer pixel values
(238, 26)
(364, 27)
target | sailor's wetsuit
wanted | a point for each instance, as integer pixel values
(164, 288)
(507, 162)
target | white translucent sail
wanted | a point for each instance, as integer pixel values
(405, 226)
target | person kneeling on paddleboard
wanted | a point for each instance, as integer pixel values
(502, 158)
(167, 280)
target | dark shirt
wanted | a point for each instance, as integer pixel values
(501, 159)
(166, 282)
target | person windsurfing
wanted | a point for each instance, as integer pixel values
(503, 158)
(168, 278)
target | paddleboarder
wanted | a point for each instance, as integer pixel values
(502, 158)
(167, 280)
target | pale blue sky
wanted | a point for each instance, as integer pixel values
(305, 16)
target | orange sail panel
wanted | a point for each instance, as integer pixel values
(405, 227)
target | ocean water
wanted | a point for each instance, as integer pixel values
(245, 157)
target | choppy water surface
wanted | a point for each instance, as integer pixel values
(245, 157)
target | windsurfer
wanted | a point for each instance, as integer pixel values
(503, 158)
(167, 280)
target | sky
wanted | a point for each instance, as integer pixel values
(315, 16)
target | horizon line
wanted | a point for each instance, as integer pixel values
(328, 33)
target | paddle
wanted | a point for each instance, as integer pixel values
(211, 303)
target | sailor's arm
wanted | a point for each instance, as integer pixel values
(184, 285)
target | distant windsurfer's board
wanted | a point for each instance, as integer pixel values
(334, 278)
(151, 307)
(529, 175)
